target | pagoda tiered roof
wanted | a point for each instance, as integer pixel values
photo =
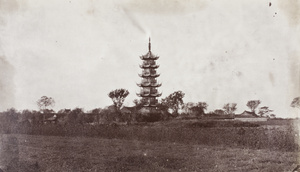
(149, 94)
(149, 75)
(149, 85)
(149, 66)
(149, 56)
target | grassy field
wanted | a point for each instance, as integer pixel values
(176, 145)
(213, 133)
(56, 153)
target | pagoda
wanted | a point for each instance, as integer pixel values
(149, 84)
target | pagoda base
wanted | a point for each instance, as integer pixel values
(149, 114)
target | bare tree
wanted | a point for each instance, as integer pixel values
(118, 96)
(253, 104)
(44, 102)
(229, 108)
(264, 111)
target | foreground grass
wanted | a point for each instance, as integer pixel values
(57, 153)
(212, 133)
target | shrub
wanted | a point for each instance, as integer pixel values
(150, 117)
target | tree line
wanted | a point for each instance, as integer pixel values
(168, 107)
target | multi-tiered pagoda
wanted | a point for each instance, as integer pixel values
(149, 84)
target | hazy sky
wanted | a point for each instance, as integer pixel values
(76, 51)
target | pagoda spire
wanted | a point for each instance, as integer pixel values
(149, 46)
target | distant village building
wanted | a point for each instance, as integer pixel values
(247, 116)
(50, 120)
(149, 84)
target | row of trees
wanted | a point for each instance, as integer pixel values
(173, 102)
(171, 105)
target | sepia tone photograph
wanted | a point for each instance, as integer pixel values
(153, 85)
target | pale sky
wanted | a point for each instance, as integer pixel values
(215, 51)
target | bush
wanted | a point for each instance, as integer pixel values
(150, 117)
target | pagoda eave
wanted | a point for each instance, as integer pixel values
(148, 85)
(149, 95)
(149, 66)
(149, 75)
(144, 57)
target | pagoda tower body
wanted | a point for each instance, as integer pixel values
(149, 85)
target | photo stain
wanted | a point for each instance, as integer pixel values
(271, 77)
(291, 10)
(6, 83)
(166, 6)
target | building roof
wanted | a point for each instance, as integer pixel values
(246, 114)
(53, 118)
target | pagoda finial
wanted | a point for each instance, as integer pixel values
(149, 44)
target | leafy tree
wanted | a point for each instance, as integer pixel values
(26, 114)
(11, 115)
(96, 112)
(75, 116)
(174, 101)
(199, 108)
(118, 96)
(44, 102)
(264, 111)
(296, 102)
(252, 104)
(229, 108)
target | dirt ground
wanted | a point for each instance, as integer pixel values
(55, 153)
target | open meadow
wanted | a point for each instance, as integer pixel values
(56, 153)
(175, 145)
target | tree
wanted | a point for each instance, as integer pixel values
(199, 108)
(11, 115)
(264, 111)
(174, 101)
(26, 114)
(75, 116)
(296, 102)
(229, 108)
(44, 102)
(118, 96)
(252, 104)
(96, 112)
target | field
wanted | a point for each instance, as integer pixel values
(55, 153)
(163, 146)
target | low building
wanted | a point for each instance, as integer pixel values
(247, 116)
(50, 120)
